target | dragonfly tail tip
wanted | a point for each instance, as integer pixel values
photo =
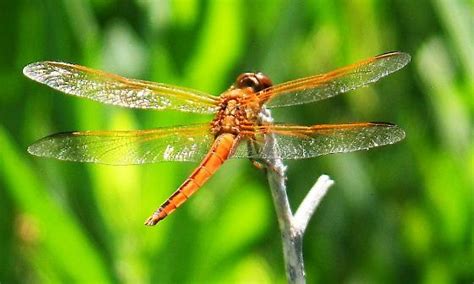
(152, 220)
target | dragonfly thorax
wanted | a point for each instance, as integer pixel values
(238, 110)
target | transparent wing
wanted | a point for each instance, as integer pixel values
(300, 142)
(189, 143)
(116, 90)
(327, 85)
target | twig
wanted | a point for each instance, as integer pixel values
(311, 201)
(292, 227)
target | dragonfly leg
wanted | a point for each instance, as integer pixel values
(266, 165)
(258, 165)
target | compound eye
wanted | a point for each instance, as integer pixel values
(264, 81)
(247, 80)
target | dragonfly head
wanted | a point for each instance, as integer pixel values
(256, 81)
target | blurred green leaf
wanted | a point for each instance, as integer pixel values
(46, 225)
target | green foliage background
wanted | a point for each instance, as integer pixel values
(397, 213)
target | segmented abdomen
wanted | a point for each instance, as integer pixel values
(218, 153)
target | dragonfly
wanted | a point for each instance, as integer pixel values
(236, 131)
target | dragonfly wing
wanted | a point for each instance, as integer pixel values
(189, 143)
(300, 142)
(116, 90)
(319, 87)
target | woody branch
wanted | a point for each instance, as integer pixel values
(292, 226)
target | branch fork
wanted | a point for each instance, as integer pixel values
(292, 226)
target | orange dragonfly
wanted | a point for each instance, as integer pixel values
(235, 132)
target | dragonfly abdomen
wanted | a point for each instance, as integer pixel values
(219, 152)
